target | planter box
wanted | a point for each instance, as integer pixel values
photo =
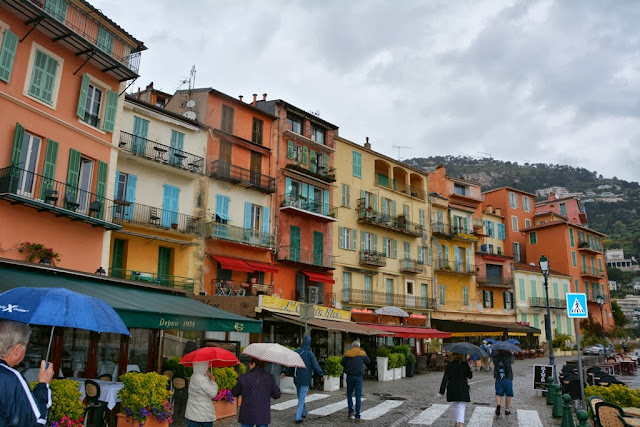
(287, 386)
(410, 369)
(383, 363)
(124, 421)
(224, 409)
(397, 373)
(403, 371)
(344, 380)
(332, 384)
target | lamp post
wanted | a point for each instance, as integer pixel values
(600, 300)
(544, 268)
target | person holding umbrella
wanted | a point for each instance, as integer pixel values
(202, 388)
(256, 388)
(17, 407)
(503, 374)
(455, 382)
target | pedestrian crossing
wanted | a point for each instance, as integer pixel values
(481, 416)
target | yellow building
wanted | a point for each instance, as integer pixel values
(159, 193)
(381, 245)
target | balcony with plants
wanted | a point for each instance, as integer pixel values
(411, 266)
(368, 215)
(161, 153)
(245, 236)
(241, 176)
(296, 204)
(233, 288)
(20, 186)
(304, 256)
(589, 247)
(323, 173)
(375, 298)
(372, 258)
(541, 302)
(451, 267)
(154, 217)
(165, 280)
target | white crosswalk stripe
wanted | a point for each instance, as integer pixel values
(528, 418)
(381, 409)
(429, 415)
(482, 416)
(294, 402)
(332, 408)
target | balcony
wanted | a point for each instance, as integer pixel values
(161, 153)
(327, 146)
(542, 302)
(374, 298)
(303, 256)
(458, 232)
(241, 176)
(594, 298)
(228, 288)
(19, 186)
(494, 282)
(454, 267)
(411, 266)
(216, 230)
(591, 272)
(366, 215)
(327, 175)
(402, 187)
(440, 229)
(301, 205)
(151, 216)
(81, 30)
(371, 258)
(324, 298)
(166, 280)
(585, 246)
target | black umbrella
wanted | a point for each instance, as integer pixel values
(464, 348)
(506, 346)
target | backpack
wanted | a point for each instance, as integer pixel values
(501, 370)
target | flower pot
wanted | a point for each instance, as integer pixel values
(332, 384)
(403, 371)
(287, 386)
(124, 421)
(382, 362)
(410, 369)
(174, 226)
(397, 373)
(223, 408)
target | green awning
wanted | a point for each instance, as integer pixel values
(138, 307)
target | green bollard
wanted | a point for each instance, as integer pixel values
(549, 391)
(583, 419)
(567, 413)
(557, 401)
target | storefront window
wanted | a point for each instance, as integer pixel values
(176, 344)
(139, 348)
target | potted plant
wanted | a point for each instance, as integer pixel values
(411, 364)
(332, 370)
(41, 252)
(67, 409)
(224, 404)
(396, 360)
(382, 360)
(144, 400)
(404, 350)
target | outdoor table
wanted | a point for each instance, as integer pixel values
(628, 366)
(129, 369)
(609, 367)
(108, 391)
(633, 412)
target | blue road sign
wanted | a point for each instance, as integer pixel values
(577, 305)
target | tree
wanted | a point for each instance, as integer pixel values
(618, 316)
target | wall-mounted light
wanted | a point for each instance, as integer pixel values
(100, 271)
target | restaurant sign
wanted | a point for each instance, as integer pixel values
(279, 305)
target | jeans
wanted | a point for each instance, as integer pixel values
(458, 411)
(354, 383)
(302, 406)
(198, 424)
(256, 425)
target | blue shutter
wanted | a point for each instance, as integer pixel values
(395, 248)
(115, 188)
(265, 220)
(7, 54)
(177, 145)
(170, 205)
(326, 202)
(287, 187)
(375, 243)
(247, 215)
(130, 195)
(140, 131)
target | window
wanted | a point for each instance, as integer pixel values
(514, 223)
(517, 254)
(222, 209)
(487, 299)
(563, 209)
(297, 152)
(347, 238)
(526, 203)
(501, 232)
(407, 250)
(25, 156)
(256, 133)
(57, 9)
(459, 189)
(227, 119)
(508, 300)
(571, 236)
(422, 254)
(389, 247)
(44, 75)
(533, 238)
(7, 54)
(527, 223)
(357, 164)
(92, 108)
(346, 196)
(574, 262)
(465, 295)
(513, 200)
(422, 218)
(317, 134)
(295, 122)
(442, 295)
(367, 288)
(255, 212)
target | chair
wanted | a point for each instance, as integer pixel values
(95, 207)
(105, 377)
(180, 394)
(70, 202)
(592, 405)
(421, 364)
(153, 216)
(95, 413)
(609, 414)
(440, 362)
(51, 196)
(169, 373)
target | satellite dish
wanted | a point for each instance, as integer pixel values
(191, 103)
(191, 115)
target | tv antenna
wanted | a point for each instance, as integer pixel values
(191, 80)
(399, 147)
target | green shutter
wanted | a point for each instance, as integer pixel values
(110, 114)
(354, 235)
(117, 259)
(294, 242)
(305, 155)
(313, 167)
(395, 248)
(82, 99)
(101, 186)
(521, 290)
(72, 174)
(7, 54)
(290, 149)
(164, 263)
(341, 237)
(18, 137)
(49, 169)
(318, 246)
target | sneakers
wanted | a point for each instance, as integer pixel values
(298, 421)
(350, 415)
(507, 412)
(358, 420)
(498, 410)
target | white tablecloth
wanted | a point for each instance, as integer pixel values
(129, 369)
(108, 391)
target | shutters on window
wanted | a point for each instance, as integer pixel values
(7, 54)
(72, 175)
(110, 112)
(101, 186)
(49, 169)
(82, 98)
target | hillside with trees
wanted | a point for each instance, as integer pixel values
(619, 220)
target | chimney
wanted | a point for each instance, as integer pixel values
(489, 209)
(264, 97)
(240, 98)
(552, 196)
(367, 145)
(255, 98)
(497, 211)
(138, 92)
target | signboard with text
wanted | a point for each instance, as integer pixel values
(540, 374)
(280, 305)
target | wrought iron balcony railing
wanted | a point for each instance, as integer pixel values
(216, 230)
(327, 175)
(403, 187)
(590, 247)
(229, 288)
(245, 177)
(454, 267)
(161, 153)
(326, 299)
(367, 215)
(303, 204)
(411, 266)
(151, 216)
(591, 272)
(46, 194)
(542, 302)
(364, 297)
(304, 256)
(166, 280)
(500, 282)
(372, 258)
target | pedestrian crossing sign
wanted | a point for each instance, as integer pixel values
(577, 305)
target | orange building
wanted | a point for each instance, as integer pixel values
(304, 147)
(569, 207)
(62, 68)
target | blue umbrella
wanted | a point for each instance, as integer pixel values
(513, 341)
(506, 346)
(490, 340)
(60, 307)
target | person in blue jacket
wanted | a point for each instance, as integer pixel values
(302, 376)
(18, 405)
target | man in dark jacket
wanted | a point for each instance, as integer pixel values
(302, 376)
(353, 363)
(256, 388)
(18, 405)
(503, 375)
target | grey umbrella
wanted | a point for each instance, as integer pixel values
(506, 346)
(464, 348)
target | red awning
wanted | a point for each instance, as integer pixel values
(262, 267)
(233, 264)
(411, 332)
(318, 277)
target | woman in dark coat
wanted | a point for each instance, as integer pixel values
(455, 382)
(257, 388)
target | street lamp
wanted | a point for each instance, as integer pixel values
(600, 300)
(544, 268)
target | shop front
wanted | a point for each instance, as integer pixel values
(475, 332)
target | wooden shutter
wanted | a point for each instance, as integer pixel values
(341, 237)
(49, 169)
(294, 243)
(110, 114)
(290, 149)
(101, 185)
(72, 173)
(18, 138)
(164, 262)
(7, 54)
(130, 195)
(247, 215)
(318, 248)
(117, 258)
(313, 165)
(82, 98)
(265, 220)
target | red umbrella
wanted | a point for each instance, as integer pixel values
(216, 356)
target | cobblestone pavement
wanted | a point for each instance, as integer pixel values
(403, 402)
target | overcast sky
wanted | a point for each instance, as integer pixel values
(525, 81)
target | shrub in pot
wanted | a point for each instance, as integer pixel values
(382, 360)
(144, 397)
(332, 370)
(224, 403)
(411, 364)
(66, 407)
